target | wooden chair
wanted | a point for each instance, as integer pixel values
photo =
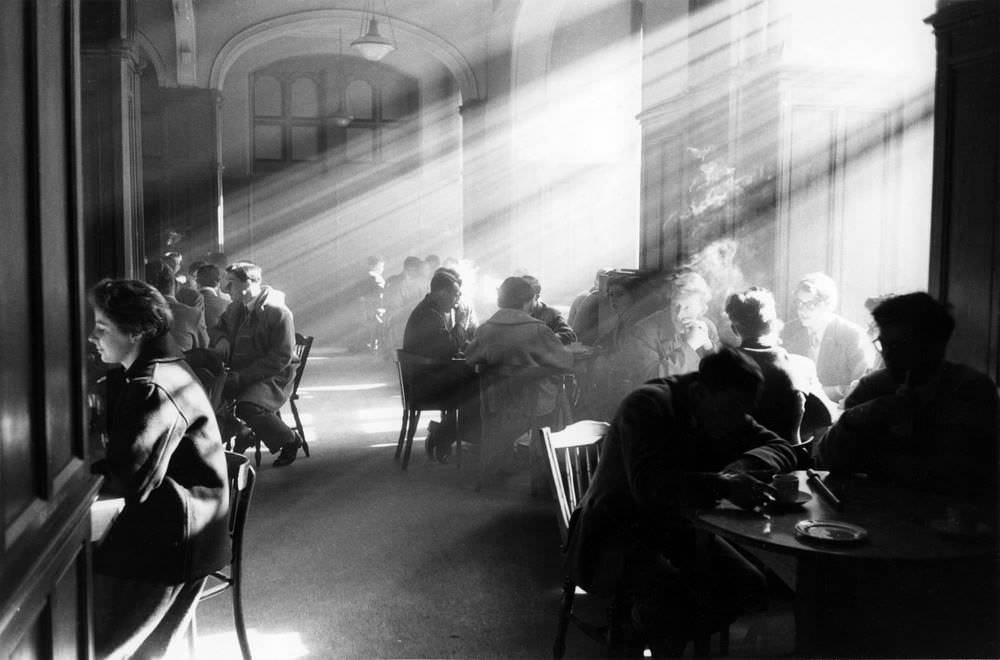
(179, 624)
(417, 398)
(303, 345)
(572, 455)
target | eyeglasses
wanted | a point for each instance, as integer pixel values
(808, 304)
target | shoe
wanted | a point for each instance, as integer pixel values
(288, 452)
(431, 440)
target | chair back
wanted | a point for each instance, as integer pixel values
(242, 478)
(303, 345)
(410, 368)
(573, 454)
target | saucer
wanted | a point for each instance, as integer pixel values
(800, 499)
(830, 531)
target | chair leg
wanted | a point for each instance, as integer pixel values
(192, 636)
(256, 455)
(298, 427)
(402, 432)
(565, 610)
(414, 422)
(241, 629)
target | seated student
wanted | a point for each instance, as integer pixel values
(922, 421)
(513, 338)
(838, 347)
(208, 277)
(547, 315)
(432, 331)
(188, 328)
(164, 456)
(676, 443)
(590, 315)
(672, 341)
(788, 379)
(257, 335)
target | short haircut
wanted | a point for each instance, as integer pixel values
(161, 277)
(927, 318)
(195, 265)
(729, 370)
(246, 271)
(208, 275)
(432, 259)
(375, 260)
(631, 283)
(536, 286)
(411, 263)
(443, 278)
(135, 307)
(819, 285)
(753, 311)
(514, 292)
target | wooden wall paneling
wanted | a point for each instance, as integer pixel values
(965, 246)
(46, 488)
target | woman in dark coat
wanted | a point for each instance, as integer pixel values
(165, 457)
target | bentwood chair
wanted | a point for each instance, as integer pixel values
(303, 345)
(413, 371)
(179, 624)
(241, 482)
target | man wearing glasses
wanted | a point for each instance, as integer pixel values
(838, 347)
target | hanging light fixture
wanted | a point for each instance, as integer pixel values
(372, 45)
(341, 118)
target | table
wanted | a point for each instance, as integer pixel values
(906, 590)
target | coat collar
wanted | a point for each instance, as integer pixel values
(506, 316)
(158, 350)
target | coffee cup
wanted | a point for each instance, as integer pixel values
(787, 487)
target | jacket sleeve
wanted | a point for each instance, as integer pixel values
(142, 438)
(765, 450)
(222, 328)
(280, 348)
(552, 353)
(560, 327)
(201, 332)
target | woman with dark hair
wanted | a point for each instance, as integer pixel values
(164, 456)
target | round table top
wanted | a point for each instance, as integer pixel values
(902, 524)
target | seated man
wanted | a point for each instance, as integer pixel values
(208, 277)
(547, 315)
(838, 347)
(188, 329)
(509, 341)
(675, 444)
(432, 332)
(257, 335)
(922, 421)
(790, 383)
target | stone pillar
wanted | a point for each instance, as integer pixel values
(111, 139)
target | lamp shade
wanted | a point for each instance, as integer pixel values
(373, 46)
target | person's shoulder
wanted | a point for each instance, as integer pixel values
(847, 328)
(965, 376)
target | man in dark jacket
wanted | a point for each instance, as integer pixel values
(548, 315)
(432, 331)
(257, 334)
(676, 444)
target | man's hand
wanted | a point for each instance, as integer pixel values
(222, 348)
(745, 491)
(695, 333)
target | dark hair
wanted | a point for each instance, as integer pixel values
(375, 260)
(514, 292)
(247, 271)
(161, 276)
(195, 265)
(536, 286)
(208, 275)
(729, 369)
(753, 311)
(135, 307)
(927, 318)
(411, 263)
(432, 259)
(631, 283)
(444, 278)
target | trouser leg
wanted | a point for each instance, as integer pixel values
(273, 432)
(126, 612)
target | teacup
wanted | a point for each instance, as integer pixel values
(787, 487)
